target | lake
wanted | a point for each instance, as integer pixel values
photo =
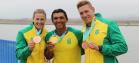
(131, 33)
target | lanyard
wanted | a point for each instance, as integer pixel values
(38, 32)
(88, 30)
(61, 37)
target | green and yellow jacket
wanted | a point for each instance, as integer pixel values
(107, 35)
(68, 50)
(23, 52)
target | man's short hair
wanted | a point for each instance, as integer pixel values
(82, 3)
(58, 11)
(39, 11)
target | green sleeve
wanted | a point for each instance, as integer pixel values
(117, 44)
(79, 36)
(80, 40)
(22, 49)
(48, 35)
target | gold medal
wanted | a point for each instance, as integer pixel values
(54, 40)
(37, 39)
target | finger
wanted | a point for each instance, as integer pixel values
(31, 44)
(49, 45)
(91, 45)
(31, 41)
(49, 42)
(84, 45)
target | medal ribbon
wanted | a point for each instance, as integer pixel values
(87, 31)
(61, 37)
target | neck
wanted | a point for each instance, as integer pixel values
(88, 25)
(38, 29)
(61, 31)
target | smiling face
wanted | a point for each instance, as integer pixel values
(86, 11)
(59, 20)
(39, 20)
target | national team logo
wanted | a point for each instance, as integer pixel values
(97, 31)
(69, 41)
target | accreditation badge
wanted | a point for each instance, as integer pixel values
(37, 39)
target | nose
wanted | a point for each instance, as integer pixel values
(84, 15)
(39, 21)
(58, 20)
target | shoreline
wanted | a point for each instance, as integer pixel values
(70, 22)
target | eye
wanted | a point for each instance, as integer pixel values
(81, 13)
(42, 19)
(61, 17)
(86, 11)
(37, 18)
(55, 18)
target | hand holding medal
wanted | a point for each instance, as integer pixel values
(93, 46)
(90, 45)
(49, 51)
(84, 45)
(54, 40)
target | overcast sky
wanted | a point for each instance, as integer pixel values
(113, 9)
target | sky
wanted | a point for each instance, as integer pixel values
(112, 9)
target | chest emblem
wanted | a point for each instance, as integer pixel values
(69, 41)
(97, 31)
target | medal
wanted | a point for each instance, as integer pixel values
(57, 40)
(37, 39)
(54, 40)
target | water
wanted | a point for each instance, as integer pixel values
(8, 32)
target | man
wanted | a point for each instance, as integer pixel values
(67, 40)
(102, 39)
(30, 42)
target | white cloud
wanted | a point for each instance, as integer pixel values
(17, 9)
